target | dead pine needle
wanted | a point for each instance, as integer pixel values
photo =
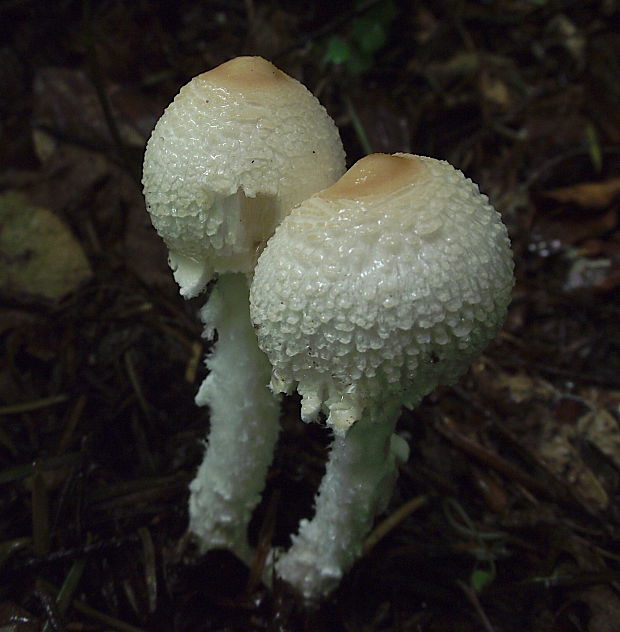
(392, 521)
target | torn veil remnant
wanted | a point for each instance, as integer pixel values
(238, 147)
(370, 294)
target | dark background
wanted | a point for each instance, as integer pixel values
(514, 474)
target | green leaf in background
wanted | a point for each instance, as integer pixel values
(364, 36)
(338, 50)
(481, 579)
(370, 36)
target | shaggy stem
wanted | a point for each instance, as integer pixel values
(244, 423)
(358, 482)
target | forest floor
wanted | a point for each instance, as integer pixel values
(511, 495)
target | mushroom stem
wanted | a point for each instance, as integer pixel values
(358, 483)
(244, 423)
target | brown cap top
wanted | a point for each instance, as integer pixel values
(377, 174)
(236, 150)
(243, 73)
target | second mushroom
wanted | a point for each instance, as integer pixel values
(370, 294)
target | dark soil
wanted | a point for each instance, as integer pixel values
(516, 471)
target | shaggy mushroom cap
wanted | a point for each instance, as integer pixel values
(381, 287)
(238, 147)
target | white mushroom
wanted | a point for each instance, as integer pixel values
(370, 294)
(238, 147)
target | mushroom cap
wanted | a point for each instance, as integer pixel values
(381, 287)
(238, 147)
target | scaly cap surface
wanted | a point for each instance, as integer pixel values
(238, 147)
(381, 287)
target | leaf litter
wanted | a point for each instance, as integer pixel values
(508, 507)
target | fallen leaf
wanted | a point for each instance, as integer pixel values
(67, 104)
(557, 450)
(39, 256)
(523, 388)
(571, 228)
(561, 448)
(602, 429)
(587, 194)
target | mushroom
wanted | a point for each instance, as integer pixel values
(370, 294)
(238, 147)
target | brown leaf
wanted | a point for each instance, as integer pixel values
(66, 102)
(39, 256)
(602, 429)
(587, 194)
(572, 228)
(557, 450)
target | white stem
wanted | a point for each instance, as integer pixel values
(244, 423)
(358, 483)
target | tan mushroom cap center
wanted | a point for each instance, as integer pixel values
(377, 174)
(246, 73)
